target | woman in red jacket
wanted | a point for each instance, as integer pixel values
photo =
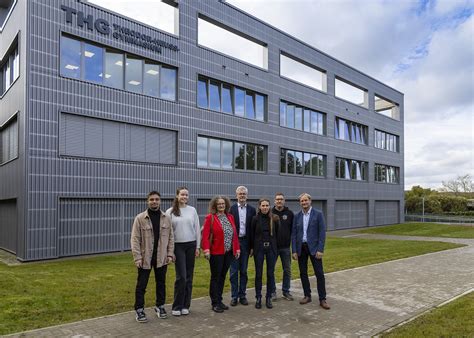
(220, 244)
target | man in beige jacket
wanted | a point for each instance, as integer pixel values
(152, 244)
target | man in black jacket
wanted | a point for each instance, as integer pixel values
(283, 241)
(243, 214)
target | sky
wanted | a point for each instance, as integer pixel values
(425, 49)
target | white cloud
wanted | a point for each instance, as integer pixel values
(424, 49)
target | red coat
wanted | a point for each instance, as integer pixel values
(217, 246)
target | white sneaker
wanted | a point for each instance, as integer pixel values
(185, 312)
(176, 312)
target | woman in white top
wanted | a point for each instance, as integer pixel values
(187, 237)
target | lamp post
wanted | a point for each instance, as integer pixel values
(423, 210)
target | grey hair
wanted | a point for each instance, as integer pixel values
(240, 188)
(305, 194)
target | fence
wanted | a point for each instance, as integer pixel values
(439, 218)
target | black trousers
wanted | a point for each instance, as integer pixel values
(183, 286)
(318, 270)
(142, 282)
(219, 266)
(262, 254)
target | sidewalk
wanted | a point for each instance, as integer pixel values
(364, 301)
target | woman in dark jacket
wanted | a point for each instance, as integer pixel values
(263, 246)
(220, 244)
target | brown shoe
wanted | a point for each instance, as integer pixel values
(305, 300)
(324, 305)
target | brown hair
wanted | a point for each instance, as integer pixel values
(213, 204)
(175, 206)
(273, 218)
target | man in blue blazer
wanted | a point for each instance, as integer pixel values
(243, 214)
(308, 236)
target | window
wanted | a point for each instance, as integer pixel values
(112, 68)
(9, 69)
(387, 108)
(9, 140)
(387, 174)
(302, 73)
(226, 98)
(350, 131)
(301, 163)
(6, 8)
(351, 93)
(229, 155)
(226, 40)
(163, 15)
(386, 141)
(351, 169)
(90, 137)
(301, 118)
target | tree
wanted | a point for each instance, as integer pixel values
(459, 184)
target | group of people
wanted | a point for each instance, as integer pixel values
(229, 236)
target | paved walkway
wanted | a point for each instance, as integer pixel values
(365, 301)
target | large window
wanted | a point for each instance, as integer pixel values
(387, 174)
(302, 163)
(302, 73)
(163, 15)
(350, 131)
(230, 155)
(351, 169)
(9, 140)
(229, 99)
(387, 108)
(9, 69)
(226, 40)
(386, 141)
(112, 68)
(351, 93)
(83, 136)
(301, 118)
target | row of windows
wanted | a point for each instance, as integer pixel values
(301, 118)
(112, 68)
(221, 38)
(229, 99)
(350, 131)
(387, 174)
(9, 70)
(302, 163)
(351, 169)
(230, 155)
(9, 141)
(386, 141)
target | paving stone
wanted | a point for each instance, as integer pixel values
(364, 301)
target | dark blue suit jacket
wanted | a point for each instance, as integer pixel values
(234, 210)
(316, 233)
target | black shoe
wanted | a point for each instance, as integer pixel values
(140, 316)
(268, 303)
(223, 306)
(258, 303)
(161, 312)
(244, 301)
(287, 296)
(234, 302)
(217, 308)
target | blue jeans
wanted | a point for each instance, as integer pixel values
(285, 256)
(268, 255)
(239, 266)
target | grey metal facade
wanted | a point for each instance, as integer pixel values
(72, 205)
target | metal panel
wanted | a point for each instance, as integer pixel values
(387, 212)
(89, 226)
(8, 225)
(351, 214)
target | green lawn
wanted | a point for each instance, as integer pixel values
(454, 319)
(424, 229)
(41, 294)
